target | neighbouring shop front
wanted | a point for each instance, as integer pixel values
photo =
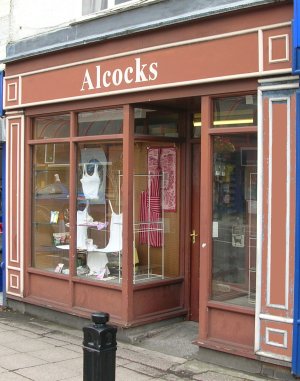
(158, 182)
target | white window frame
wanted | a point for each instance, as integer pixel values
(112, 7)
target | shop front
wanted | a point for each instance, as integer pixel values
(158, 181)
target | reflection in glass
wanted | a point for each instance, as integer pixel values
(54, 126)
(156, 213)
(196, 133)
(155, 123)
(234, 219)
(101, 122)
(235, 111)
(50, 207)
(99, 212)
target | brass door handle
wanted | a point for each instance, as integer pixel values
(194, 235)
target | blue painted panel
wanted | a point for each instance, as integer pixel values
(296, 328)
(296, 37)
(1, 93)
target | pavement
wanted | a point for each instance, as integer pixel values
(35, 349)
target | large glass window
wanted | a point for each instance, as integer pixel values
(98, 219)
(50, 206)
(234, 218)
(156, 122)
(156, 200)
(238, 111)
(55, 126)
(101, 122)
(99, 211)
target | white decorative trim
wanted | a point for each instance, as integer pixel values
(13, 268)
(259, 216)
(156, 47)
(274, 356)
(277, 319)
(277, 79)
(285, 86)
(11, 276)
(274, 343)
(286, 58)
(260, 51)
(154, 87)
(20, 90)
(15, 217)
(287, 217)
(19, 217)
(22, 202)
(9, 91)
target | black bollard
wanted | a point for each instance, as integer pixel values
(99, 349)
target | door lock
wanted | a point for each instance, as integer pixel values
(194, 235)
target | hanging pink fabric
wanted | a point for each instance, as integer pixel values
(150, 213)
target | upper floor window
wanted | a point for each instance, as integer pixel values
(91, 6)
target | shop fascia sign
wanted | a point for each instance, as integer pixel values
(138, 72)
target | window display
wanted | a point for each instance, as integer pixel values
(99, 211)
(234, 219)
(97, 190)
(50, 207)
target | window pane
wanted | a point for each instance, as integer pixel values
(156, 123)
(50, 207)
(117, 2)
(236, 111)
(102, 122)
(57, 126)
(196, 133)
(156, 213)
(234, 219)
(99, 212)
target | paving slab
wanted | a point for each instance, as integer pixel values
(147, 370)
(124, 374)
(23, 344)
(12, 377)
(49, 372)
(19, 361)
(56, 354)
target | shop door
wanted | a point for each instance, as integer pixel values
(194, 234)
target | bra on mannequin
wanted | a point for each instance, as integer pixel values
(90, 183)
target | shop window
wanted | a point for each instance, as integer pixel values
(238, 111)
(196, 132)
(99, 212)
(51, 127)
(156, 204)
(98, 196)
(234, 219)
(50, 206)
(156, 123)
(102, 122)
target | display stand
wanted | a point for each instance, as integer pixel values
(149, 227)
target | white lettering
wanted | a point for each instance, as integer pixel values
(128, 71)
(153, 71)
(117, 77)
(105, 76)
(98, 71)
(87, 81)
(139, 74)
